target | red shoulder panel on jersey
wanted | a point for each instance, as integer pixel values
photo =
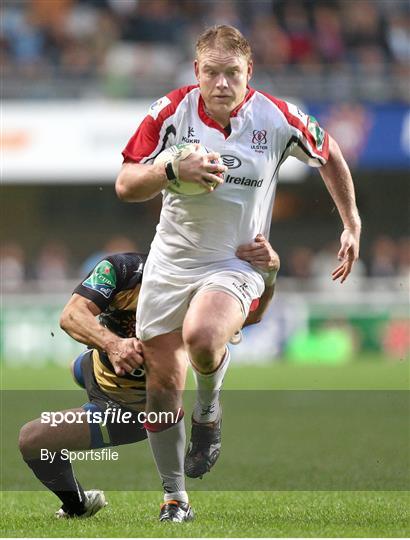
(298, 124)
(146, 138)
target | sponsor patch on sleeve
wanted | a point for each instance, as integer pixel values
(157, 107)
(317, 132)
(103, 279)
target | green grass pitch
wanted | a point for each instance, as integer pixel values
(219, 514)
(227, 513)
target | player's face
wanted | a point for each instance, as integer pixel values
(222, 78)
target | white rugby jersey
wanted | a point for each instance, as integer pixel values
(194, 231)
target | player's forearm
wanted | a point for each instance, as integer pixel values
(336, 175)
(140, 182)
(82, 326)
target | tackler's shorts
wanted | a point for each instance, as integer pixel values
(165, 295)
(115, 431)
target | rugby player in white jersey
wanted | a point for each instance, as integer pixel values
(196, 292)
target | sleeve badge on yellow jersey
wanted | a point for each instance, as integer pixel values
(103, 279)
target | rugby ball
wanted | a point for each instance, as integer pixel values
(182, 151)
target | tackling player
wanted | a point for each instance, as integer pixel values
(196, 293)
(111, 371)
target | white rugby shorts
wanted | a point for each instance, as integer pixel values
(165, 296)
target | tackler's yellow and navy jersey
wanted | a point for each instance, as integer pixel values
(114, 286)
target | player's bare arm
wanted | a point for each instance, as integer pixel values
(261, 255)
(336, 175)
(138, 182)
(78, 319)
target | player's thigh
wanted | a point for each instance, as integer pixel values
(166, 364)
(66, 429)
(162, 302)
(212, 319)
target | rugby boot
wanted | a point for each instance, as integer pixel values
(176, 511)
(204, 448)
(95, 501)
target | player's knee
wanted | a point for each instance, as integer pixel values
(29, 439)
(203, 345)
(198, 341)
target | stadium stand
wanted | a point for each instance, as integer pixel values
(89, 48)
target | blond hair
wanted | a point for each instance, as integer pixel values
(226, 37)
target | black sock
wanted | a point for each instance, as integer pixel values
(59, 478)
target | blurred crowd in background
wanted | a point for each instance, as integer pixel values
(333, 49)
(54, 267)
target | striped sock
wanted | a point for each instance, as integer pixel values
(207, 408)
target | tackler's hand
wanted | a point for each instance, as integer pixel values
(125, 355)
(260, 254)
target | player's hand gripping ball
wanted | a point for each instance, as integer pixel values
(172, 157)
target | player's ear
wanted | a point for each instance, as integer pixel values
(196, 69)
(250, 70)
